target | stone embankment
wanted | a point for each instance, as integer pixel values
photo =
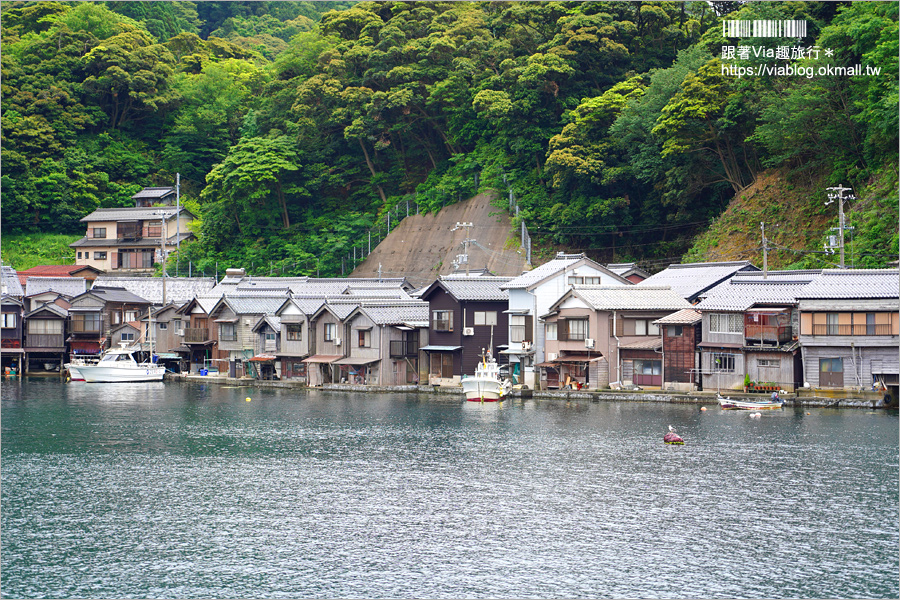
(809, 398)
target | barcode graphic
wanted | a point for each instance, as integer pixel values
(764, 28)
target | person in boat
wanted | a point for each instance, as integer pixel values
(775, 397)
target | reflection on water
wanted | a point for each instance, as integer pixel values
(189, 491)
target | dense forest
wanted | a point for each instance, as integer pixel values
(620, 127)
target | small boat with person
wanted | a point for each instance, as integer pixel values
(486, 385)
(731, 404)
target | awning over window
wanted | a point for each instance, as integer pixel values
(263, 358)
(440, 348)
(234, 320)
(322, 358)
(356, 360)
(517, 311)
(719, 345)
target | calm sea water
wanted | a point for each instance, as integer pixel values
(189, 491)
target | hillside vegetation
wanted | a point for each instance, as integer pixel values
(619, 126)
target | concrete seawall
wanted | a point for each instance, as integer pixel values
(809, 398)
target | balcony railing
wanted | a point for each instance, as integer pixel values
(852, 330)
(92, 327)
(572, 336)
(45, 340)
(402, 348)
(767, 333)
(196, 335)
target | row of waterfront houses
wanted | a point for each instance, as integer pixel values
(569, 323)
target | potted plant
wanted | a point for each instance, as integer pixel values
(747, 383)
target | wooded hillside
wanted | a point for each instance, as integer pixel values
(618, 126)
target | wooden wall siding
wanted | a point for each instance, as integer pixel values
(725, 381)
(598, 374)
(878, 360)
(373, 351)
(679, 355)
(851, 323)
(295, 347)
(329, 348)
(441, 300)
(226, 345)
(782, 374)
(473, 344)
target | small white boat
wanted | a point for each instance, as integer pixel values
(732, 404)
(486, 385)
(118, 365)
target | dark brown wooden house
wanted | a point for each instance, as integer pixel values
(681, 334)
(466, 317)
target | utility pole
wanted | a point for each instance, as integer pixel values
(765, 250)
(838, 194)
(162, 245)
(177, 222)
(466, 241)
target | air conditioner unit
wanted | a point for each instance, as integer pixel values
(337, 341)
(468, 331)
(551, 356)
(589, 343)
(179, 332)
(526, 346)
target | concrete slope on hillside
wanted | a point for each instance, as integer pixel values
(424, 246)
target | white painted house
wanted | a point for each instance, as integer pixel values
(531, 295)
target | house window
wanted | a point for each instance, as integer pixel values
(154, 231)
(163, 326)
(486, 317)
(726, 323)
(86, 323)
(520, 329)
(270, 337)
(550, 331)
(115, 318)
(99, 232)
(584, 280)
(227, 332)
(176, 323)
(723, 363)
(645, 327)
(870, 324)
(99, 255)
(329, 331)
(79, 255)
(442, 365)
(364, 338)
(832, 324)
(45, 327)
(576, 329)
(9, 320)
(442, 320)
(131, 315)
(294, 332)
(675, 330)
(768, 362)
(128, 337)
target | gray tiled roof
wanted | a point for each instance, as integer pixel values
(10, 283)
(397, 314)
(49, 306)
(630, 297)
(397, 293)
(308, 306)
(476, 288)
(691, 280)
(627, 268)
(153, 192)
(550, 268)
(746, 290)
(67, 286)
(685, 316)
(178, 289)
(853, 284)
(273, 321)
(116, 294)
(129, 214)
(341, 310)
(254, 305)
(87, 242)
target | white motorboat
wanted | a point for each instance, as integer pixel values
(118, 365)
(486, 385)
(77, 362)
